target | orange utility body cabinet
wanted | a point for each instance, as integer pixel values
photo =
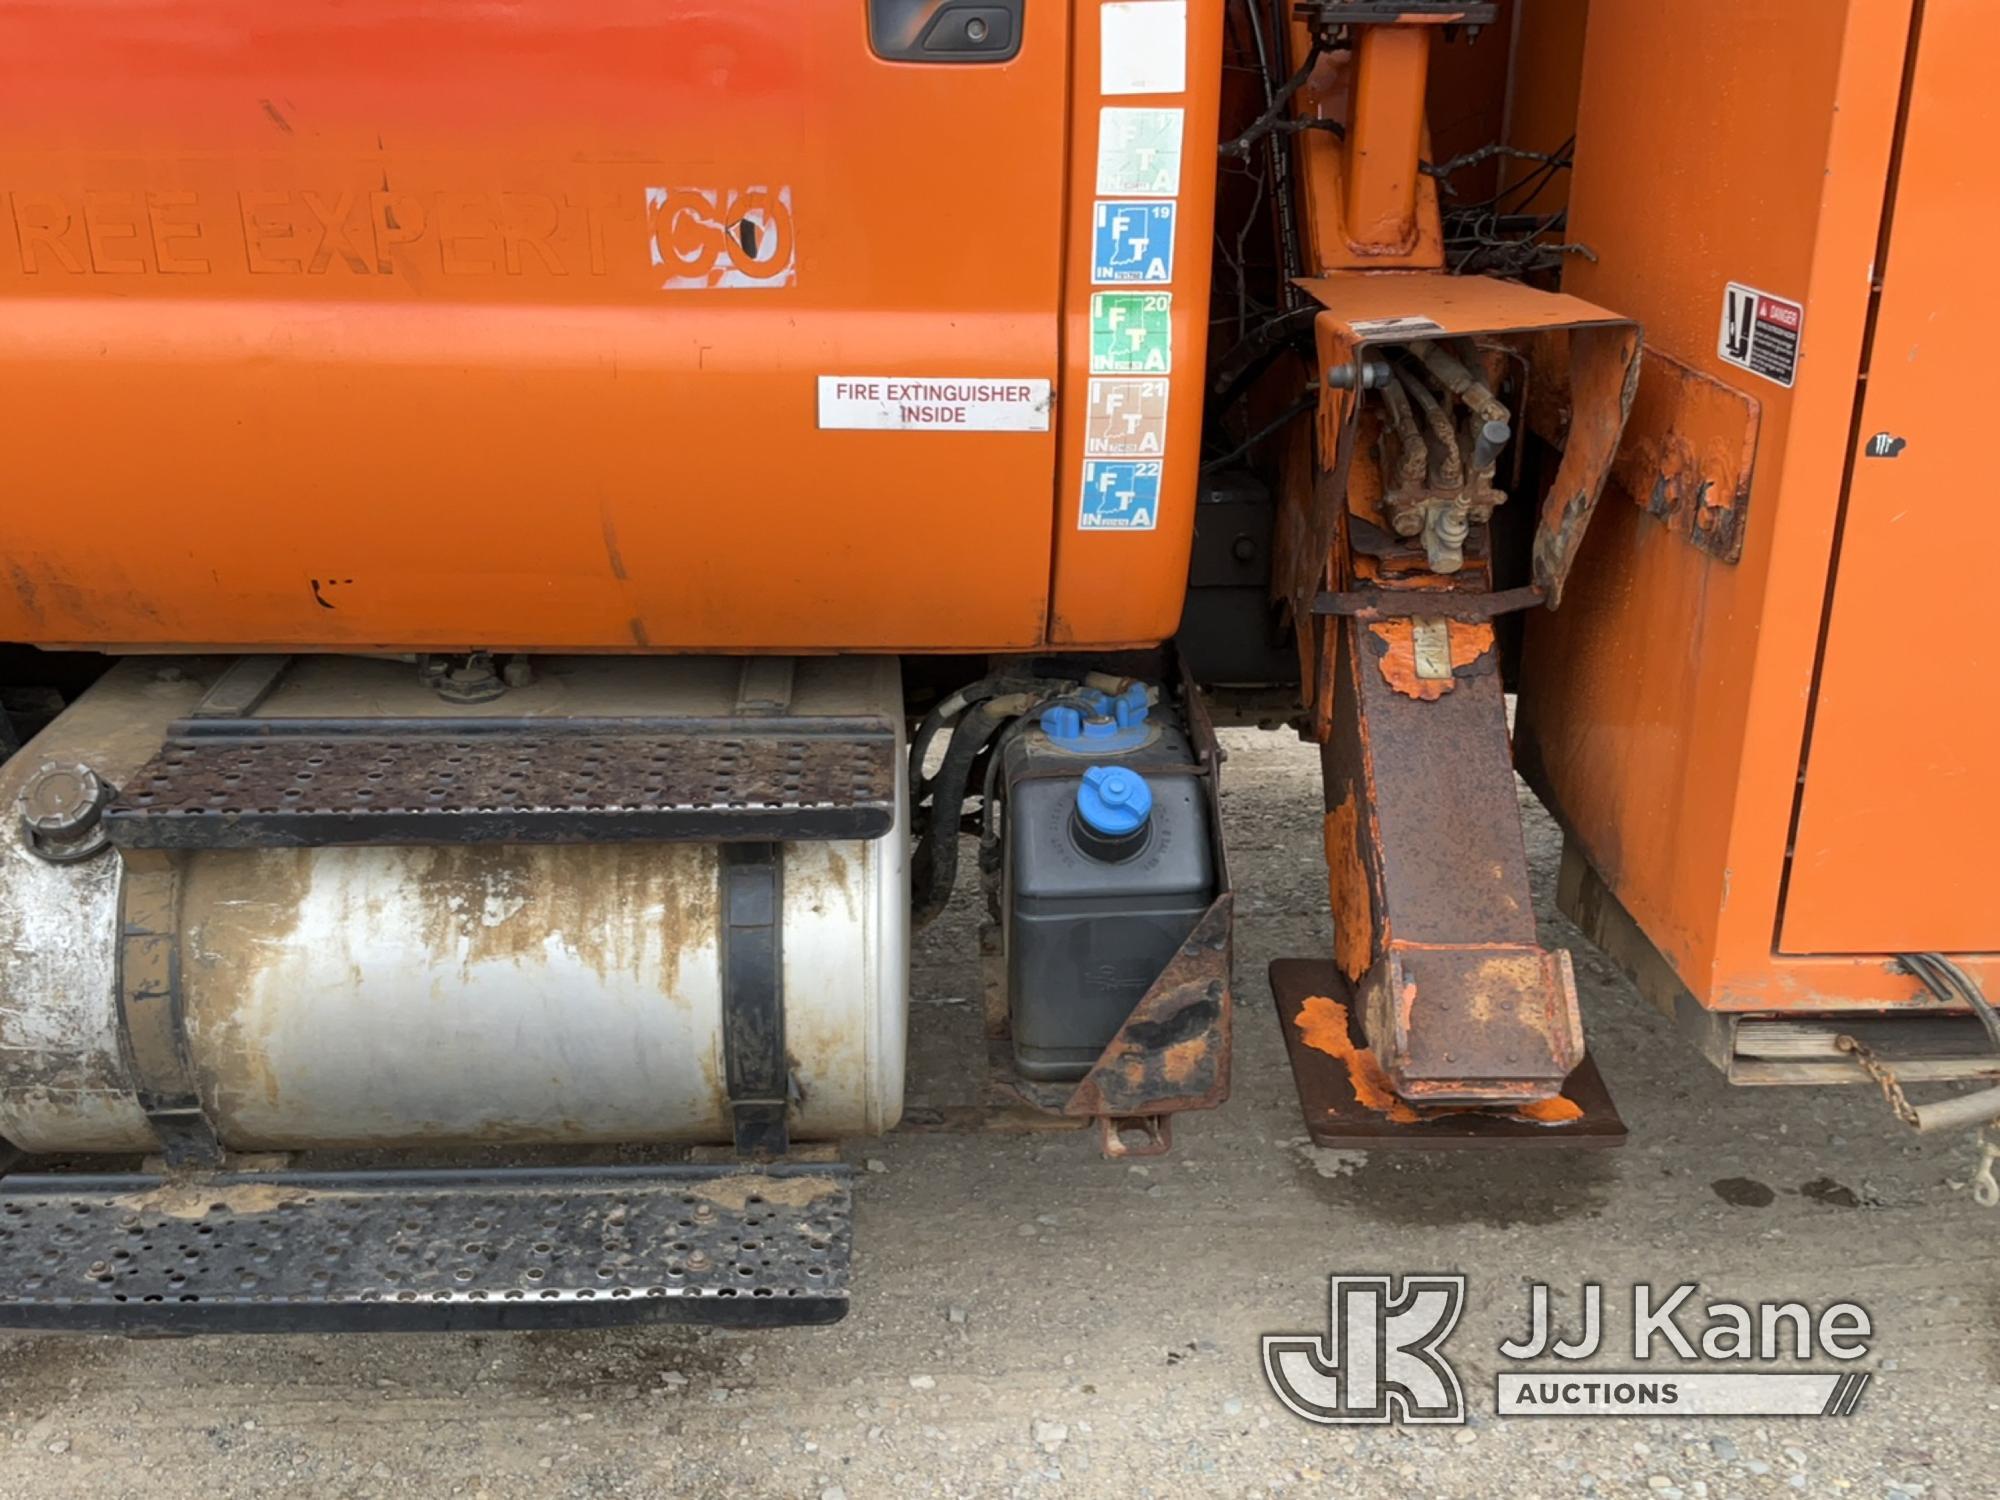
(1766, 713)
(426, 326)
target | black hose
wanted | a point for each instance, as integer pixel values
(1947, 981)
(920, 743)
(934, 866)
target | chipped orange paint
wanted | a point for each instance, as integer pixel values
(1322, 1025)
(1556, 1111)
(1469, 642)
(1347, 883)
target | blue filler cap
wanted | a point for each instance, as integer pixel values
(1097, 723)
(1114, 802)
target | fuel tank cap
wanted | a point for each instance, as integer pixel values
(62, 808)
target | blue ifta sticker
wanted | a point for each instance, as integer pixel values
(1133, 241)
(1120, 495)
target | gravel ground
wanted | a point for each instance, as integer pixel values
(1032, 1320)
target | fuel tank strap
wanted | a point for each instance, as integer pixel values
(753, 997)
(311, 783)
(151, 1023)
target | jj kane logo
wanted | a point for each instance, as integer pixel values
(1382, 1357)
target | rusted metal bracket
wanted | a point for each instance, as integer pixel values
(1690, 453)
(1393, 604)
(1172, 1053)
(1434, 922)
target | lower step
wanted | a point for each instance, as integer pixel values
(401, 1251)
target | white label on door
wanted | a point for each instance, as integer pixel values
(927, 403)
(1144, 47)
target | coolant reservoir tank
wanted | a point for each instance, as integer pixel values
(1108, 866)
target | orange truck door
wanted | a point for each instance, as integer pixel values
(599, 324)
(1899, 818)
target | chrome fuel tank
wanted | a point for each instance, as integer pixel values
(446, 995)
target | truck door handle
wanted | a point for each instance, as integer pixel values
(945, 31)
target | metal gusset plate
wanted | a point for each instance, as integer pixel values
(419, 1251)
(305, 784)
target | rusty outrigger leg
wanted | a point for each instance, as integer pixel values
(1434, 924)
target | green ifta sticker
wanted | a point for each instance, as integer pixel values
(1131, 333)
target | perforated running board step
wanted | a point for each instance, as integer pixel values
(301, 783)
(425, 1251)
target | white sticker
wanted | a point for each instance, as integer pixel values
(1139, 151)
(1761, 333)
(1126, 419)
(705, 238)
(1144, 47)
(928, 403)
(1395, 328)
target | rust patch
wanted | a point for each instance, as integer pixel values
(1347, 880)
(1689, 453)
(1180, 1061)
(248, 917)
(735, 1191)
(1394, 645)
(193, 1198)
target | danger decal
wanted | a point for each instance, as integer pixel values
(1761, 333)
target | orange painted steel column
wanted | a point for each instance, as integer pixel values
(1385, 135)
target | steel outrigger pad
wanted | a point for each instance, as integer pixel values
(1349, 1103)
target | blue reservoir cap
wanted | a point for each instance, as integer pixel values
(1062, 723)
(1113, 801)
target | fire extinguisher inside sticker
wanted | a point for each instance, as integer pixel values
(1139, 150)
(1144, 45)
(1761, 333)
(1120, 495)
